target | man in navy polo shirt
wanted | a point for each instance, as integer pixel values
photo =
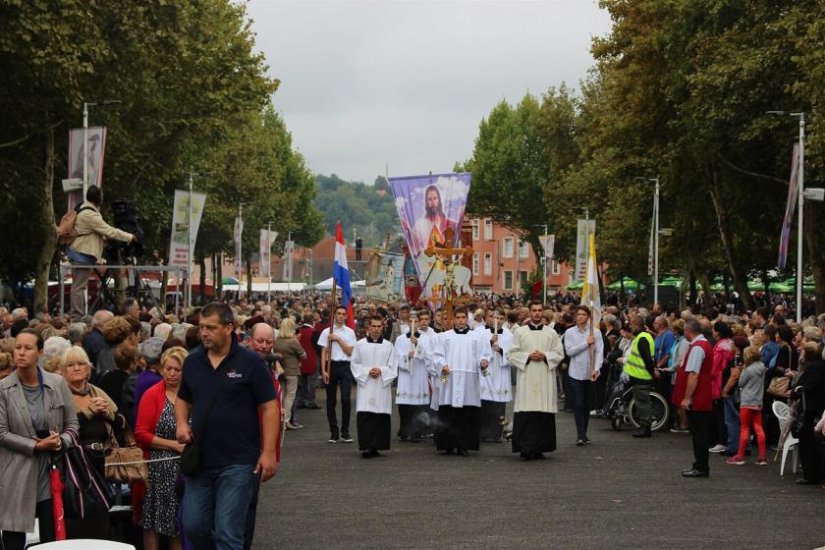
(236, 449)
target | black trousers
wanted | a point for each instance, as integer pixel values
(810, 451)
(339, 375)
(13, 540)
(491, 414)
(700, 426)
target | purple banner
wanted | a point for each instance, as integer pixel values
(793, 191)
(428, 206)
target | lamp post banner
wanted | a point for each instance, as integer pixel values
(583, 229)
(178, 246)
(790, 207)
(548, 243)
(265, 251)
(95, 151)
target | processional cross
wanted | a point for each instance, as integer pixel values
(450, 257)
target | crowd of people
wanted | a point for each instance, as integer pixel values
(206, 391)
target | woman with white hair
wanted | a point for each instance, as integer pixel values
(96, 414)
(53, 348)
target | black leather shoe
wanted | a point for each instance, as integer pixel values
(803, 481)
(642, 432)
(695, 473)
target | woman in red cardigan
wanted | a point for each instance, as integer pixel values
(155, 433)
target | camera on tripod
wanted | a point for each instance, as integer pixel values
(126, 218)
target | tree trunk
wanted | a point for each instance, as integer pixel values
(739, 281)
(202, 279)
(49, 229)
(248, 279)
(218, 276)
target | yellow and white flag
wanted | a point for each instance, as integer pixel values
(590, 292)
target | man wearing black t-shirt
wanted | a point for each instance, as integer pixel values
(225, 388)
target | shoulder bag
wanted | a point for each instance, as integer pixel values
(125, 463)
(190, 458)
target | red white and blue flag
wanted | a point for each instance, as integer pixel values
(340, 273)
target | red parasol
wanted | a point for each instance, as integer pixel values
(56, 486)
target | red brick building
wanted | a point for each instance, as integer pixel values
(502, 263)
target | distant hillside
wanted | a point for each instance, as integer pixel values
(368, 209)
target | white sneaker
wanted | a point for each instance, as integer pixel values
(717, 448)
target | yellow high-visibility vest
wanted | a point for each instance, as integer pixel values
(634, 365)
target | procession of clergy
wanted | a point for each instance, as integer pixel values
(456, 384)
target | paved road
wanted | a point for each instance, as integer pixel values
(617, 493)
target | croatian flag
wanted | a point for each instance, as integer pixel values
(340, 273)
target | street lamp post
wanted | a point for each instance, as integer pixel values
(800, 177)
(239, 260)
(269, 261)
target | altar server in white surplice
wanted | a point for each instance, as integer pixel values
(374, 367)
(459, 358)
(536, 352)
(415, 355)
(496, 386)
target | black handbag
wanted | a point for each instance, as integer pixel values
(86, 493)
(190, 458)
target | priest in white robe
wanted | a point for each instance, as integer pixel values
(415, 355)
(460, 356)
(496, 382)
(374, 366)
(536, 353)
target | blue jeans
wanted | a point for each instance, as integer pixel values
(732, 425)
(215, 506)
(580, 397)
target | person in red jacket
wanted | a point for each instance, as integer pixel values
(694, 389)
(155, 432)
(308, 337)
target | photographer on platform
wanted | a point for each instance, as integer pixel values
(87, 248)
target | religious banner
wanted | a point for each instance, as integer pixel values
(238, 238)
(428, 206)
(412, 284)
(94, 153)
(584, 228)
(265, 252)
(385, 276)
(793, 194)
(184, 233)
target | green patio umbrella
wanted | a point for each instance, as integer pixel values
(629, 284)
(672, 281)
(575, 285)
(781, 286)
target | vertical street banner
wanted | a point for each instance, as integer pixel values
(385, 276)
(289, 249)
(790, 207)
(548, 243)
(94, 152)
(429, 206)
(583, 229)
(265, 252)
(179, 244)
(237, 235)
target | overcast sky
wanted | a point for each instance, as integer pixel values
(404, 84)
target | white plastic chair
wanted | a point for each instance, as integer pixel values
(783, 414)
(84, 544)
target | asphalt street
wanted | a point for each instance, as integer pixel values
(618, 492)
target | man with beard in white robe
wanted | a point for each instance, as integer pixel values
(415, 355)
(374, 366)
(496, 384)
(460, 357)
(536, 352)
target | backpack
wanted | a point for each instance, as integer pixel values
(66, 233)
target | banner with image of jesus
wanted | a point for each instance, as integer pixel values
(427, 207)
